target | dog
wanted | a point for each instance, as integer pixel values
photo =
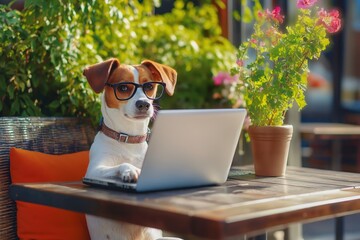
(119, 147)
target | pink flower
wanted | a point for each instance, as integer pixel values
(218, 79)
(240, 62)
(224, 78)
(331, 21)
(247, 122)
(275, 15)
(261, 14)
(305, 3)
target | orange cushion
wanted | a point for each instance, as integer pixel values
(42, 222)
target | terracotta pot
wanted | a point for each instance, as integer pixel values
(270, 148)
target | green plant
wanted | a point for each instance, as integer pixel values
(188, 38)
(45, 48)
(272, 65)
(41, 60)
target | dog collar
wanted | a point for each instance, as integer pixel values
(123, 137)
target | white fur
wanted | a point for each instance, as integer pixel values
(109, 157)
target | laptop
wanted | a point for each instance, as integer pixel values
(187, 148)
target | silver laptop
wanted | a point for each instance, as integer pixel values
(187, 148)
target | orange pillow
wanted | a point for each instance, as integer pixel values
(42, 222)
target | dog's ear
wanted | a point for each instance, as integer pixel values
(98, 74)
(164, 73)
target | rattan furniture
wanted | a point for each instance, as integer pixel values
(48, 135)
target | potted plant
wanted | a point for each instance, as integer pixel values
(272, 70)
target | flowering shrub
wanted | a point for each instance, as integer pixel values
(272, 64)
(225, 92)
(45, 47)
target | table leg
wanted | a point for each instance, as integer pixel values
(336, 155)
(339, 228)
(258, 237)
(358, 157)
(294, 231)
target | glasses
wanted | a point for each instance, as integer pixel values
(126, 90)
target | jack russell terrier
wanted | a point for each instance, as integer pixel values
(119, 148)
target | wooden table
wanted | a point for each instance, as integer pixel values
(329, 130)
(335, 132)
(244, 205)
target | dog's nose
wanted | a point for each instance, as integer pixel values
(142, 105)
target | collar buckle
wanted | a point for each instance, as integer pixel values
(123, 137)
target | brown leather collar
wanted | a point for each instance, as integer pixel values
(123, 137)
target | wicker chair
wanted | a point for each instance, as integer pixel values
(48, 135)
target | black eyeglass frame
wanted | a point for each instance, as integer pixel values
(115, 86)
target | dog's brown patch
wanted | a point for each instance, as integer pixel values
(121, 74)
(146, 75)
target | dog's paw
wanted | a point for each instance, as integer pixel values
(128, 172)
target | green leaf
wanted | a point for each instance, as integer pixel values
(10, 90)
(247, 15)
(15, 107)
(220, 4)
(236, 15)
(35, 81)
(54, 104)
(257, 7)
